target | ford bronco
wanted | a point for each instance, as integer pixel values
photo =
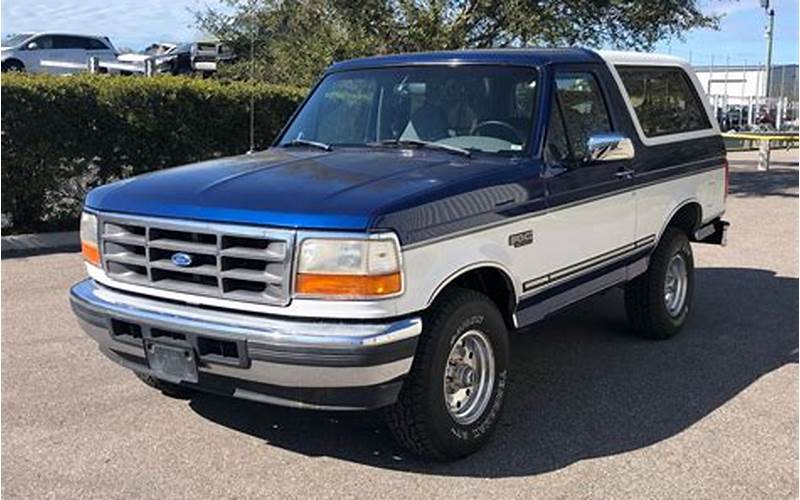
(415, 210)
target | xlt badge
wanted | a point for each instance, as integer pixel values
(517, 240)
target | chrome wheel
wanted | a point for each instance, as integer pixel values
(469, 377)
(676, 285)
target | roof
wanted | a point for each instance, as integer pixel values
(721, 68)
(60, 33)
(515, 57)
(623, 57)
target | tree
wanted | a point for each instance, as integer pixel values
(294, 40)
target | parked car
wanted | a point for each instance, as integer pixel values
(183, 58)
(26, 51)
(415, 211)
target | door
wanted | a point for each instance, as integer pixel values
(71, 49)
(96, 48)
(37, 50)
(591, 220)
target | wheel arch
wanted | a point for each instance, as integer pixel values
(490, 278)
(686, 216)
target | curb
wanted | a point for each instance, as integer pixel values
(32, 244)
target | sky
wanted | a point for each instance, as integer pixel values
(130, 24)
(137, 23)
(741, 37)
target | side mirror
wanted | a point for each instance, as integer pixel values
(609, 146)
(32, 46)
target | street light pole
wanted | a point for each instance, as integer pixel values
(768, 35)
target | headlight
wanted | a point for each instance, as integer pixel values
(89, 238)
(349, 268)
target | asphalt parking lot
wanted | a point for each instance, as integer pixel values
(594, 411)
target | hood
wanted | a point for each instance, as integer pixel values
(132, 57)
(344, 189)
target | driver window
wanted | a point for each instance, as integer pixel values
(43, 42)
(583, 109)
(556, 149)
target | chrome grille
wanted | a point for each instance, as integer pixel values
(242, 263)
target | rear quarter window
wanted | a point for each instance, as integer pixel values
(664, 100)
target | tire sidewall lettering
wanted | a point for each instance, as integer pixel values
(486, 422)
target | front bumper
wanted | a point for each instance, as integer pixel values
(308, 364)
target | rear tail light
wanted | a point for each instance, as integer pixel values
(727, 178)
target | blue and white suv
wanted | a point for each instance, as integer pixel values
(415, 210)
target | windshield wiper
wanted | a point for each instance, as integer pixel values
(313, 144)
(425, 144)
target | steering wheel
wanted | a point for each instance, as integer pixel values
(502, 130)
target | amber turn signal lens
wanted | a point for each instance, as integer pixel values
(345, 285)
(90, 253)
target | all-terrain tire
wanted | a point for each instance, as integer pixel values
(645, 296)
(420, 419)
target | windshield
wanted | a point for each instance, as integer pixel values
(477, 108)
(14, 40)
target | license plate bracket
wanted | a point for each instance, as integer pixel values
(172, 363)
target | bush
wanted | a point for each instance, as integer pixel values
(64, 135)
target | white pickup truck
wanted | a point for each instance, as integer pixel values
(415, 211)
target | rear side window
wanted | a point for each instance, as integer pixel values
(69, 42)
(95, 44)
(664, 99)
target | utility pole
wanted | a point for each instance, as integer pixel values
(763, 156)
(770, 29)
(252, 78)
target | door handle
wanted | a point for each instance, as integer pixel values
(624, 173)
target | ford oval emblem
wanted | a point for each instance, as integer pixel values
(181, 259)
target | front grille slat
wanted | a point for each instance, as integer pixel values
(130, 239)
(251, 275)
(205, 270)
(232, 262)
(184, 246)
(127, 258)
(249, 253)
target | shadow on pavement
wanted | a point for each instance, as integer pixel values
(584, 386)
(752, 183)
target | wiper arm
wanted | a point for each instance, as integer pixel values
(427, 144)
(313, 144)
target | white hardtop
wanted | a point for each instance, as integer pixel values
(637, 58)
(614, 58)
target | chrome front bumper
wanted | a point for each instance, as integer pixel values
(310, 364)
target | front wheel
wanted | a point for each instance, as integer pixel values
(658, 302)
(451, 401)
(12, 65)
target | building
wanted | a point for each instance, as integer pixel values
(737, 93)
(742, 82)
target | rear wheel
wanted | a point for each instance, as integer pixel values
(658, 301)
(451, 401)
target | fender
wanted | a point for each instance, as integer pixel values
(674, 211)
(478, 265)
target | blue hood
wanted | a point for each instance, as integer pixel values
(347, 189)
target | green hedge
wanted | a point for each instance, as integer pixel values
(64, 135)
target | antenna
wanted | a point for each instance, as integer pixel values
(252, 77)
